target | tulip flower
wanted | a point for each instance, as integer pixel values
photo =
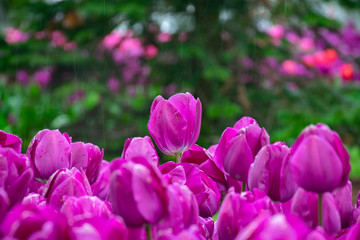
(88, 157)
(34, 198)
(140, 147)
(305, 205)
(319, 160)
(206, 225)
(49, 151)
(15, 174)
(29, 221)
(137, 192)
(270, 172)
(234, 214)
(100, 187)
(11, 141)
(98, 228)
(65, 182)
(354, 232)
(175, 123)
(343, 199)
(238, 147)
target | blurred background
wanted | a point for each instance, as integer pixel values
(92, 68)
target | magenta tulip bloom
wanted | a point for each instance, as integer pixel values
(183, 210)
(140, 147)
(99, 228)
(88, 157)
(100, 187)
(319, 160)
(270, 172)
(354, 232)
(15, 174)
(234, 214)
(238, 147)
(29, 221)
(137, 192)
(65, 182)
(305, 205)
(175, 123)
(49, 151)
(76, 209)
(206, 226)
(343, 199)
(34, 198)
(11, 141)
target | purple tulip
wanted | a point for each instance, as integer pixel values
(175, 123)
(34, 198)
(137, 191)
(204, 159)
(278, 227)
(173, 173)
(15, 174)
(343, 199)
(88, 157)
(192, 233)
(49, 151)
(318, 156)
(354, 232)
(4, 203)
(234, 214)
(100, 187)
(11, 141)
(65, 182)
(238, 147)
(29, 221)
(99, 228)
(270, 172)
(206, 226)
(305, 205)
(183, 210)
(140, 147)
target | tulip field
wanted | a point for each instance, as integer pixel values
(179, 120)
(62, 189)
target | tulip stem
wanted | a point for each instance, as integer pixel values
(243, 186)
(320, 209)
(178, 157)
(148, 232)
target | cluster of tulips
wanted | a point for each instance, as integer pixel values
(242, 188)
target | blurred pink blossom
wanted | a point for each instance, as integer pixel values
(113, 85)
(164, 37)
(43, 76)
(306, 44)
(40, 35)
(22, 77)
(182, 37)
(347, 72)
(276, 31)
(292, 68)
(58, 39)
(13, 35)
(150, 51)
(70, 46)
(111, 40)
(130, 47)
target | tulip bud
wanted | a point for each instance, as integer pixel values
(29, 221)
(88, 157)
(319, 160)
(137, 192)
(140, 147)
(343, 199)
(270, 172)
(305, 205)
(65, 182)
(15, 174)
(175, 123)
(49, 151)
(238, 147)
(11, 141)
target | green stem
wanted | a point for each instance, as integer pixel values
(148, 232)
(320, 209)
(178, 157)
(243, 186)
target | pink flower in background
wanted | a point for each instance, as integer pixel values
(308, 60)
(22, 77)
(292, 68)
(58, 39)
(347, 72)
(113, 85)
(70, 46)
(276, 31)
(306, 44)
(292, 37)
(111, 40)
(129, 48)
(43, 76)
(13, 35)
(163, 37)
(150, 51)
